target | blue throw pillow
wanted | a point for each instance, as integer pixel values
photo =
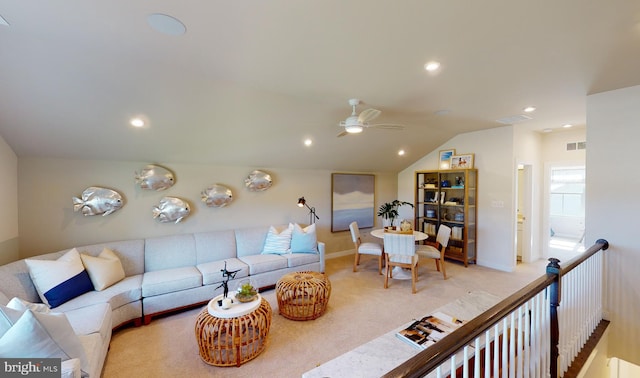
(304, 240)
(58, 281)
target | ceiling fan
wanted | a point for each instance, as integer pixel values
(355, 123)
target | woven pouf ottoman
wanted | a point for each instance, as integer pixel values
(303, 295)
(235, 338)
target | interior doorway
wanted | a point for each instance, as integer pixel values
(566, 204)
(524, 213)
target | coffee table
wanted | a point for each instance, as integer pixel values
(303, 295)
(231, 337)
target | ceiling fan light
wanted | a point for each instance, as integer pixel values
(353, 129)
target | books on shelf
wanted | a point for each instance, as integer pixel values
(428, 330)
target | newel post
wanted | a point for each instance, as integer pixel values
(553, 268)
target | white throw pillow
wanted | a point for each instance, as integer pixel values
(104, 270)
(42, 335)
(8, 317)
(22, 305)
(277, 242)
(304, 240)
(58, 281)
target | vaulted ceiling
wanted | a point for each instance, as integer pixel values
(250, 80)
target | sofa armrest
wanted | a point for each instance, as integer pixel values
(321, 252)
(71, 369)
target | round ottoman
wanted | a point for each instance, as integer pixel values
(303, 295)
(234, 340)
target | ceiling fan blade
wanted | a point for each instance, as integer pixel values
(341, 134)
(368, 114)
(387, 126)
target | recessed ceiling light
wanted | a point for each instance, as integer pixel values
(401, 152)
(137, 122)
(529, 109)
(566, 126)
(431, 66)
(547, 130)
(166, 24)
(308, 142)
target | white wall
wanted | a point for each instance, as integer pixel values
(48, 222)
(613, 205)
(493, 151)
(8, 203)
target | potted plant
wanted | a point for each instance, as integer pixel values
(389, 210)
(246, 292)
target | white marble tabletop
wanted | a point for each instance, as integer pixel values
(381, 355)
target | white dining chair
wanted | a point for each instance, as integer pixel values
(400, 251)
(367, 248)
(436, 251)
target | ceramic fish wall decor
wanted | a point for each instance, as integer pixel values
(154, 177)
(217, 196)
(98, 201)
(258, 181)
(171, 209)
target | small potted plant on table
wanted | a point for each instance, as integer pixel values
(246, 292)
(389, 212)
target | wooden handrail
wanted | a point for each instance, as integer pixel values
(432, 357)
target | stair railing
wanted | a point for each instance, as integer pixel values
(528, 334)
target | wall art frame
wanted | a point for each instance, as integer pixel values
(352, 199)
(444, 158)
(464, 161)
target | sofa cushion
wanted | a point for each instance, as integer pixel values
(215, 246)
(91, 319)
(304, 240)
(264, 263)
(298, 259)
(169, 280)
(104, 270)
(168, 252)
(42, 335)
(277, 242)
(249, 241)
(124, 292)
(130, 253)
(212, 271)
(59, 280)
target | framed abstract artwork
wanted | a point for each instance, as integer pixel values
(352, 199)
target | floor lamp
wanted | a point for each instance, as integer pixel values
(312, 210)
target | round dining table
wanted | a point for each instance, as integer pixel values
(418, 235)
(399, 273)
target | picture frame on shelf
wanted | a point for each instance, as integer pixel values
(444, 158)
(464, 161)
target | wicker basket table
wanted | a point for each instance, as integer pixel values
(234, 340)
(303, 295)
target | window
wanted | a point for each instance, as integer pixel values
(567, 192)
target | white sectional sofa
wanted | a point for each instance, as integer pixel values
(162, 274)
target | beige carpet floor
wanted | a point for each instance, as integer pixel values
(359, 310)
